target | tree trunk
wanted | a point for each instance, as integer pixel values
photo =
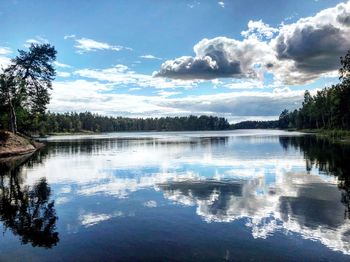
(12, 112)
(13, 118)
(324, 122)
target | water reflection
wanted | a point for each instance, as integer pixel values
(307, 204)
(328, 157)
(26, 211)
(269, 184)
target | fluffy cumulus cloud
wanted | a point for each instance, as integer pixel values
(259, 29)
(219, 57)
(313, 44)
(295, 53)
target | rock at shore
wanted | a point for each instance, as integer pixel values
(12, 144)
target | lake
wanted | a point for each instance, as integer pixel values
(178, 196)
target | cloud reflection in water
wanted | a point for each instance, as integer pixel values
(260, 179)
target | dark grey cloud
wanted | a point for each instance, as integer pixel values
(313, 49)
(209, 67)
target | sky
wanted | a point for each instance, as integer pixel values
(240, 59)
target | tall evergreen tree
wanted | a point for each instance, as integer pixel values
(26, 82)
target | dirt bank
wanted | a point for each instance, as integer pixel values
(14, 145)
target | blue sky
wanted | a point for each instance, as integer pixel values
(241, 59)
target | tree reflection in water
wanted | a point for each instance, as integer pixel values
(329, 157)
(27, 210)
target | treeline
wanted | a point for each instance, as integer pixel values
(77, 122)
(329, 108)
(273, 124)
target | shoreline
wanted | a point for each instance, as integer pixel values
(12, 145)
(336, 135)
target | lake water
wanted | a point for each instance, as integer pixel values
(184, 196)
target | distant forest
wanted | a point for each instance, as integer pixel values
(76, 122)
(272, 124)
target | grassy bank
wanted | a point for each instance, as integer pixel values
(336, 135)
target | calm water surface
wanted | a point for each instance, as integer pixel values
(201, 196)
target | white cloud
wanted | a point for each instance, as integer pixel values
(88, 45)
(150, 57)
(121, 75)
(4, 62)
(36, 40)
(62, 65)
(5, 50)
(260, 30)
(4, 59)
(150, 204)
(83, 95)
(221, 4)
(63, 74)
(69, 36)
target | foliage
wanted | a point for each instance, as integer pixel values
(25, 85)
